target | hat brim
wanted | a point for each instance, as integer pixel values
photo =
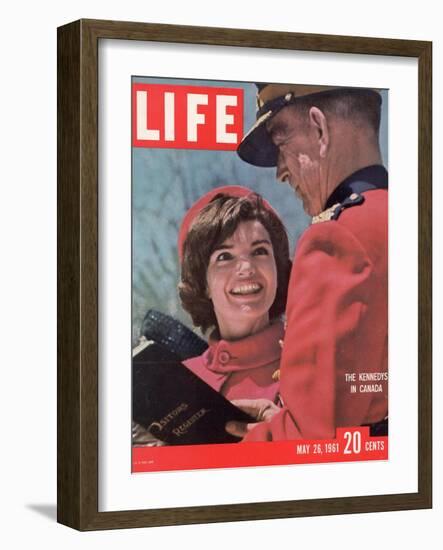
(257, 147)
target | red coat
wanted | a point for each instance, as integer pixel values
(337, 324)
(243, 368)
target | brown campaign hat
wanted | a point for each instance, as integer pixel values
(256, 146)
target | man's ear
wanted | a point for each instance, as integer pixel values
(318, 121)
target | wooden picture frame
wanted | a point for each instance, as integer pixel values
(77, 456)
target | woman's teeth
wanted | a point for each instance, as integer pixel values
(252, 288)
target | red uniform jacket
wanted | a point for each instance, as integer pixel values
(337, 325)
(243, 368)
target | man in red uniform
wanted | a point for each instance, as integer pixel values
(324, 144)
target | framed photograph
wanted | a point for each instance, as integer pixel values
(244, 293)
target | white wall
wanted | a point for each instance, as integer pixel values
(28, 270)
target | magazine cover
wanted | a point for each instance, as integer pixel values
(259, 274)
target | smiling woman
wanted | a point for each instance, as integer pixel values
(242, 281)
(235, 268)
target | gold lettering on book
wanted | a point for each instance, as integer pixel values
(160, 424)
(183, 428)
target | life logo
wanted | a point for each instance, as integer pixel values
(186, 117)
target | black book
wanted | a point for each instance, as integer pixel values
(174, 404)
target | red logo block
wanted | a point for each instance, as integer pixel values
(186, 117)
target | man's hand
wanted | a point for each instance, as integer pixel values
(260, 409)
(142, 437)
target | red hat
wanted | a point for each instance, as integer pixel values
(197, 207)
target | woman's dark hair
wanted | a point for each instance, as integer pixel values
(215, 223)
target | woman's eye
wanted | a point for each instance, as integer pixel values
(223, 257)
(261, 251)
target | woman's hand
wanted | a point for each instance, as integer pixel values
(260, 409)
